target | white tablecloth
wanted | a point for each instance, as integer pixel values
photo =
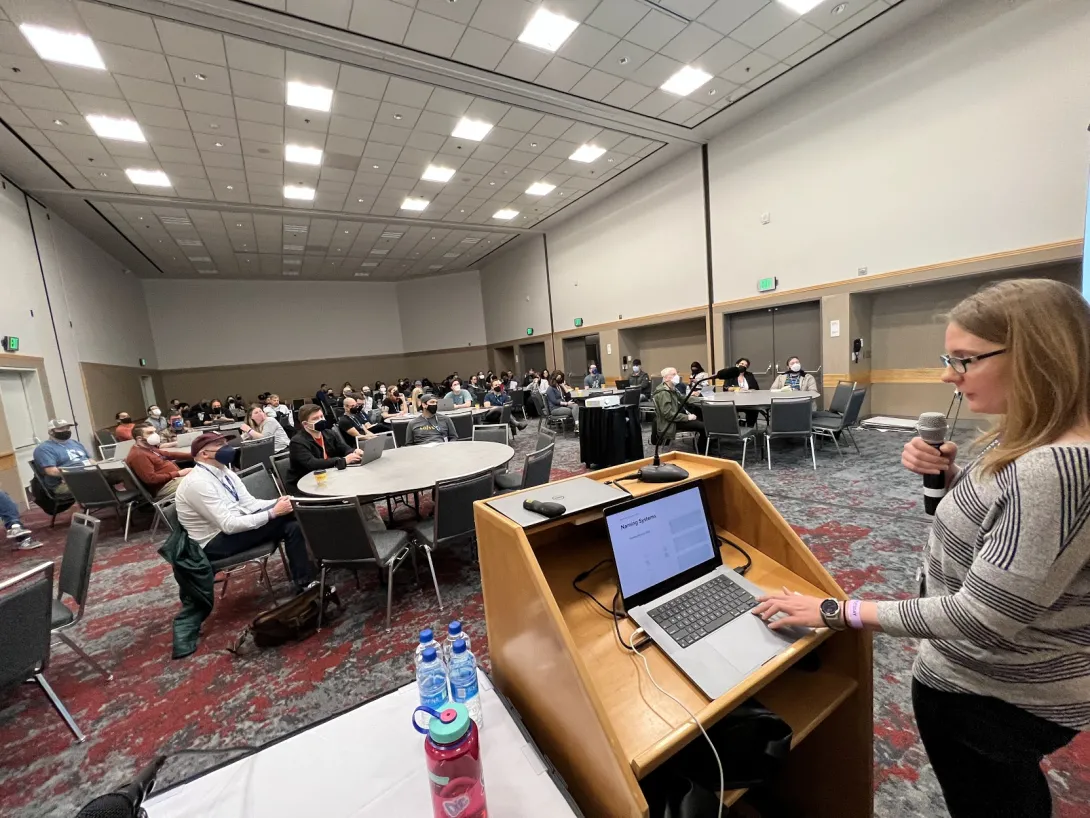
(367, 762)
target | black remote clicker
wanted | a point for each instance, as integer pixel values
(544, 509)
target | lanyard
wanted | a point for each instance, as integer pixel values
(225, 483)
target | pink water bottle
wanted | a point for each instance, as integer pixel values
(453, 750)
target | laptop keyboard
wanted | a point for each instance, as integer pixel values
(703, 610)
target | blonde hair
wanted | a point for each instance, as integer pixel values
(1045, 327)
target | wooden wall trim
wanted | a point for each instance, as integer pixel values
(829, 379)
(1056, 252)
(670, 317)
(307, 361)
(922, 375)
(7, 461)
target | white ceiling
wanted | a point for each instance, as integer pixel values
(210, 99)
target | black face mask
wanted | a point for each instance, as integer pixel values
(743, 367)
(65, 435)
(432, 408)
(357, 409)
(125, 420)
(217, 408)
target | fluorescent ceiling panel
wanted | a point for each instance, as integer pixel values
(587, 153)
(434, 173)
(305, 194)
(414, 204)
(472, 129)
(68, 47)
(547, 30)
(302, 155)
(108, 127)
(313, 97)
(540, 189)
(505, 215)
(800, 6)
(685, 81)
(148, 178)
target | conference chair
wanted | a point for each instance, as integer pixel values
(535, 472)
(26, 621)
(544, 415)
(545, 437)
(839, 403)
(622, 383)
(721, 423)
(44, 497)
(463, 424)
(518, 402)
(338, 537)
(74, 581)
(92, 490)
(631, 396)
(493, 433)
(790, 417)
(506, 411)
(391, 441)
(256, 452)
(259, 482)
(281, 464)
(400, 428)
(452, 520)
(828, 427)
(145, 496)
(105, 440)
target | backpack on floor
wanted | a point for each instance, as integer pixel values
(290, 621)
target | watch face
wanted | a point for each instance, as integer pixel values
(830, 607)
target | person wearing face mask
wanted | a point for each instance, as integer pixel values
(430, 427)
(215, 411)
(461, 397)
(236, 408)
(155, 467)
(494, 402)
(697, 373)
(315, 447)
(667, 403)
(558, 403)
(641, 379)
(123, 430)
(795, 378)
(745, 382)
(176, 425)
(353, 424)
(223, 518)
(60, 450)
(393, 403)
(259, 425)
(594, 378)
(155, 418)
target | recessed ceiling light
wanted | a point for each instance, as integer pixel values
(450, 255)
(59, 122)
(219, 144)
(346, 232)
(149, 178)
(369, 264)
(379, 252)
(305, 194)
(208, 272)
(293, 261)
(104, 174)
(505, 214)
(291, 272)
(492, 184)
(533, 144)
(302, 155)
(540, 189)
(230, 187)
(800, 6)
(189, 242)
(547, 30)
(434, 173)
(839, 8)
(712, 92)
(213, 126)
(199, 259)
(397, 116)
(374, 167)
(414, 204)
(67, 47)
(472, 129)
(201, 77)
(587, 153)
(362, 275)
(623, 61)
(109, 127)
(238, 224)
(685, 81)
(360, 201)
(313, 97)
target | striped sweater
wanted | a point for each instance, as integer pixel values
(1007, 610)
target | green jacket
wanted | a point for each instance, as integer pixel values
(196, 588)
(667, 400)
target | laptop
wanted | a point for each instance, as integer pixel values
(447, 405)
(371, 447)
(674, 585)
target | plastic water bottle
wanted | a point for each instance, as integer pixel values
(427, 639)
(431, 681)
(454, 633)
(463, 681)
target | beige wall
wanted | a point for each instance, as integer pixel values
(112, 389)
(515, 291)
(675, 344)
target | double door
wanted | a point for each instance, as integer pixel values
(771, 335)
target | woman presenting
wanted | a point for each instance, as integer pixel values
(1002, 677)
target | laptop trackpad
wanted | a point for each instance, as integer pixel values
(747, 643)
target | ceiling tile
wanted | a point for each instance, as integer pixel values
(587, 45)
(261, 132)
(523, 62)
(160, 116)
(254, 111)
(71, 78)
(722, 56)
(407, 92)
(693, 41)
(617, 17)
(135, 62)
(865, 15)
(109, 25)
(188, 73)
(505, 18)
(207, 103)
(191, 43)
(153, 93)
(481, 49)
(311, 70)
(655, 103)
(35, 96)
(764, 25)
(361, 82)
(687, 8)
(768, 75)
(746, 69)
(255, 58)
(32, 71)
(810, 50)
(627, 94)
(791, 39)
(257, 86)
(169, 137)
(655, 30)
(682, 111)
(656, 70)
(329, 12)
(461, 12)
(624, 58)
(382, 19)
(727, 15)
(433, 34)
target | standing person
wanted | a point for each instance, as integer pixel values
(668, 421)
(123, 430)
(1002, 677)
(795, 377)
(259, 425)
(641, 379)
(18, 535)
(59, 451)
(153, 467)
(315, 447)
(745, 382)
(558, 401)
(594, 378)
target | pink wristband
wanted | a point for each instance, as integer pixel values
(854, 609)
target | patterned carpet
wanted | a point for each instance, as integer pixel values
(860, 516)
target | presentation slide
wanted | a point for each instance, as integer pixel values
(656, 541)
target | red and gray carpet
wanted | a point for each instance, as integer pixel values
(859, 516)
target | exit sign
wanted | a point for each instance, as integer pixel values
(11, 343)
(529, 330)
(143, 362)
(578, 322)
(767, 285)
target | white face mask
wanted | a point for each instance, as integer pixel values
(636, 368)
(153, 439)
(676, 379)
(796, 367)
(155, 413)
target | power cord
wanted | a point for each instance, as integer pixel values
(580, 577)
(749, 560)
(718, 763)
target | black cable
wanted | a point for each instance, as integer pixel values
(749, 560)
(580, 577)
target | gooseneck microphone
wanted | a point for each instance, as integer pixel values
(125, 802)
(932, 430)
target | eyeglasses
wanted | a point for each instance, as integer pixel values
(960, 365)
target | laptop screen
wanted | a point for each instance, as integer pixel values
(660, 539)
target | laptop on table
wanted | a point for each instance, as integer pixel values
(371, 448)
(674, 585)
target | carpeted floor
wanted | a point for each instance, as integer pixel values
(859, 515)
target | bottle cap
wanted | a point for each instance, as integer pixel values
(429, 654)
(459, 646)
(426, 636)
(454, 627)
(452, 725)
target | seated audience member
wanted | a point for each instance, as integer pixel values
(176, 424)
(745, 382)
(321, 394)
(123, 430)
(530, 377)
(200, 415)
(494, 402)
(430, 427)
(216, 410)
(353, 423)
(366, 400)
(175, 404)
(156, 419)
(380, 390)
(220, 514)
(347, 391)
(259, 425)
(697, 373)
(594, 378)
(17, 534)
(461, 397)
(544, 382)
(557, 400)
(60, 450)
(416, 390)
(795, 377)
(667, 403)
(275, 409)
(315, 447)
(153, 467)
(236, 409)
(641, 379)
(394, 403)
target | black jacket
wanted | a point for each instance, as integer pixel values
(751, 380)
(305, 456)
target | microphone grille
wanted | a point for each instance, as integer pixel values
(932, 427)
(114, 805)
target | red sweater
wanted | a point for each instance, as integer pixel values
(151, 468)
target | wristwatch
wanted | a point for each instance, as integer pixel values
(832, 614)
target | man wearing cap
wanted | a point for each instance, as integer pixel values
(430, 427)
(223, 517)
(60, 451)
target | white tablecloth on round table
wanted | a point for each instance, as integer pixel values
(411, 468)
(755, 398)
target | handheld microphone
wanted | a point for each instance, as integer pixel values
(550, 510)
(125, 802)
(932, 430)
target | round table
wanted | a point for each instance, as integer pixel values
(410, 469)
(754, 398)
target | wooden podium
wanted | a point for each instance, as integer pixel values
(588, 702)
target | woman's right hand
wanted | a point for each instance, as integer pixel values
(923, 458)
